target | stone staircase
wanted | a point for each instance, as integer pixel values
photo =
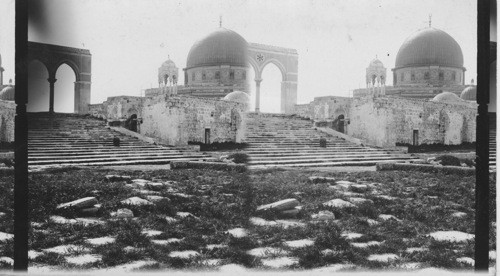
(70, 139)
(284, 140)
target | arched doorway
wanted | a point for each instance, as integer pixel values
(64, 95)
(269, 99)
(339, 123)
(38, 90)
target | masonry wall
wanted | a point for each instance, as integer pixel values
(178, 120)
(122, 107)
(7, 114)
(386, 121)
(324, 108)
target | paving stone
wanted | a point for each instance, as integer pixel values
(84, 259)
(7, 260)
(280, 262)
(136, 201)
(383, 258)
(459, 214)
(285, 204)
(261, 222)
(334, 268)
(451, 236)
(6, 236)
(323, 215)
(79, 203)
(101, 240)
(188, 254)
(167, 242)
(321, 179)
(339, 203)
(385, 217)
(351, 236)
(151, 233)
(466, 260)
(238, 232)
(365, 244)
(67, 249)
(299, 243)
(267, 251)
(123, 213)
(411, 250)
(62, 220)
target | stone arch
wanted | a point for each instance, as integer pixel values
(79, 60)
(286, 60)
(37, 92)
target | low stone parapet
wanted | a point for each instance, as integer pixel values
(207, 165)
(425, 168)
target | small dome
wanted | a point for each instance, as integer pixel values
(237, 96)
(446, 97)
(376, 63)
(469, 94)
(168, 63)
(8, 93)
(430, 46)
(221, 47)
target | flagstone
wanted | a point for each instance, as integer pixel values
(416, 249)
(339, 203)
(261, 222)
(365, 244)
(6, 236)
(101, 240)
(280, 262)
(188, 254)
(62, 220)
(383, 258)
(137, 201)
(459, 214)
(299, 243)
(151, 233)
(290, 223)
(167, 241)
(7, 260)
(32, 254)
(351, 236)
(79, 203)
(238, 232)
(411, 265)
(84, 259)
(267, 251)
(451, 236)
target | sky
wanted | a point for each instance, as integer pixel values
(335, 39)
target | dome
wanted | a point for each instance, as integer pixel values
(168, 63)
(469, 94)
(221, 47)
(237, 96)
(376, 63)
(430, 46)
(446, 97)
(7, 94)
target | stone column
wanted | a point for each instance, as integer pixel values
(257, 94)
(82, 97)
(1, 76)
(52, 81)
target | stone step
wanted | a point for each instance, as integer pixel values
(76, 160)
(319, 156)
(114, 155)
(374, 160)
(330, 164)
(127, 162)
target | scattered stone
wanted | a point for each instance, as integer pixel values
(133, 265)
(212, 262)
(7, 260)
(32, 254)
(166, 242)
(290, 223)
(339, 203)
(365, 244)
(84, 259)
(92, 211)
(112, 177)
(432, 197)
(238, 232)
(6, 236)
(359, 188)
(151, 233)
(155, 186)
(129, 249)
(183, 195)
(90, 221)
(261, 222)
(321, 179)
(466, 260)
(327, 252)
(156, 198)
(411, 250)
(62, 220)
(334, 268)
(267, 251)
(385, 217)
(298, 193)
(67, 249)
(285, 204)
(186, 215)
(383, 258)
(188, 254)
(492, 255)
(146, 192)
(344, 182)
(299, 243)
(292, 212)
(386, 197)
(101, 240)
(168, 219)
(372, 222)
(123, 213)
(216, 246)
(359, 200)
(81, 203)
(451, 236)
(280, 262)
(411, 266)
(459, 214)
(137, 201)
(351, 236)
(2, 215)
(323, 215)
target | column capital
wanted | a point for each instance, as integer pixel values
(52, 80)
(258, 80)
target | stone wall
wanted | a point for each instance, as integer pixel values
(178, 120)
(98, 110)
(7, 114)
(122, 107)
(386, 121)
(324, 108)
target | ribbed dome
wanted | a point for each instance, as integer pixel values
(469, 94)
(376, 63)
(221, 47)
(8, 93)
(430, 46)
(169, 62)
(238, 96)
(446, 97)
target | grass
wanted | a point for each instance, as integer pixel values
(224, 200)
